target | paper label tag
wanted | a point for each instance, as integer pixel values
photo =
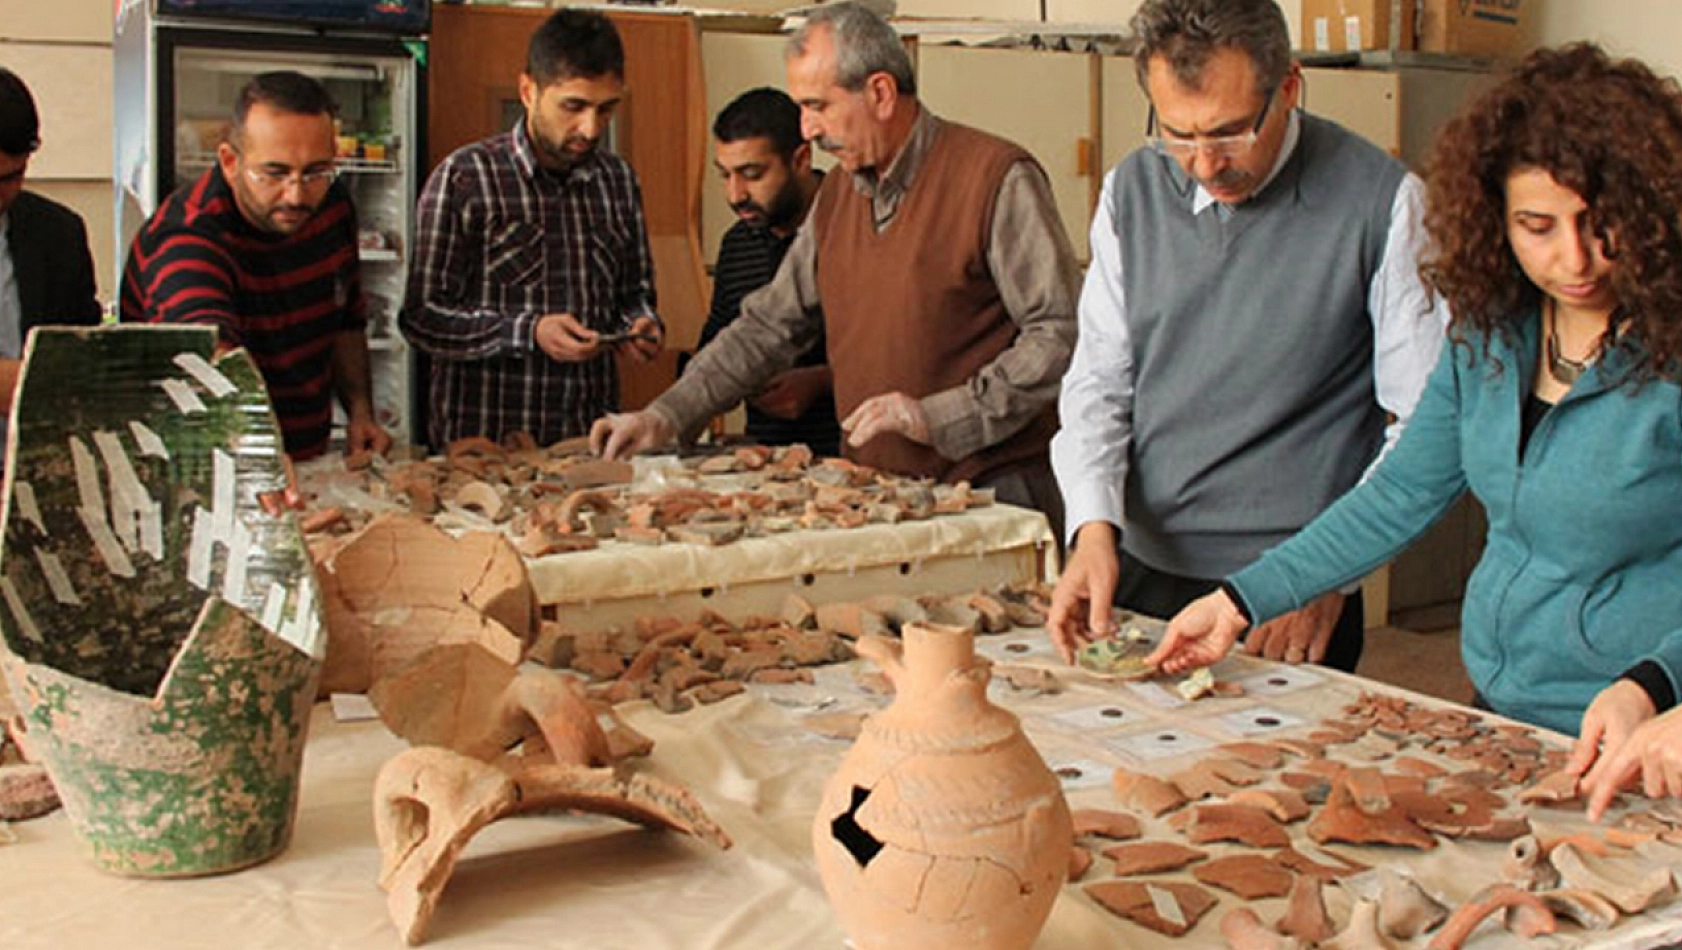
(353, 707)
(208, 376)
(1261, 720)
(1159, 744)
(1166, 906)
(1352, 33)
(1322, 34)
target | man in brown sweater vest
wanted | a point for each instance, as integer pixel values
(937, 265)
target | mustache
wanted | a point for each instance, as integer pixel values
(1228, 178)
(745, 206)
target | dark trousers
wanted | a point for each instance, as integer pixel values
(1145, 590)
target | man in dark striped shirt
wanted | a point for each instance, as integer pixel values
(263, 247)
(767, 169)
(531, 259)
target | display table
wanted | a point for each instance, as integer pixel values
(569, 882)
(615, 583)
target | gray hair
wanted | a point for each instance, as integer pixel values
(864, 45)
(1187, 32)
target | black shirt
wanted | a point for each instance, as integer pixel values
(748, 258)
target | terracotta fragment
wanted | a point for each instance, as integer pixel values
(26, 792)
(1305, 915)
(1630, 884)
(1254, 754)
(851, 620)
(1080, 861)
(1301, 748)
(1284, 804)
(1342, 819)
(1240, 823)
(1026, 679)
(1244, 930)
(1202, 781)
(485, 499)
(1586, 909)
(1405, 909)
(1527, 867)
(1314, 789)
(1133, 900)
(1308, 867)
(1115, 825)
(1362, 931)
(1557, 788)
(1146, 793)
(1250, 876)
(1493, 900)
(429, 802)
(1411, 765)
(1150, 857)
(596, 472)
(401, 586)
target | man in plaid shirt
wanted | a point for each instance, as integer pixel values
(530, 248)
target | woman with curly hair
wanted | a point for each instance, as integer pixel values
(1554, 207)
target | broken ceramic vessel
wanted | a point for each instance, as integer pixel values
(401, 586)
(943, 827)
(161, 623)
(431, 800)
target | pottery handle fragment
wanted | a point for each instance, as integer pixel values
(888, 655)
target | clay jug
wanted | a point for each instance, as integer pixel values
(943, 827)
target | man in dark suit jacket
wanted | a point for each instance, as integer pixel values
(46, 272)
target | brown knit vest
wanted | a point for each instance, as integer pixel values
(914, 309)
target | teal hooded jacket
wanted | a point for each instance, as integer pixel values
(1581, 576)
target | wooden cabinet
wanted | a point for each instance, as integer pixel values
(1007, 92)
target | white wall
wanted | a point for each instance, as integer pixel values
(1647, 29)
(62, 51)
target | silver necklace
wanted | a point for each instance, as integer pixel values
(1563, 369)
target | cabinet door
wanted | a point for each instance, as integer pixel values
(1125, 111)
(1040, 100)
(1364, 101)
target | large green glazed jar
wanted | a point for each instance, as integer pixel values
(159, 614)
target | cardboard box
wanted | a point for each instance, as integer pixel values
(1339, 26)
(1498, 29)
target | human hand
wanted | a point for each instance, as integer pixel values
(1081, 603)
(1299, 635)
(643, 340)
(889, 412)
(1608, 742)
(564, 339)
(618, 434)
(1200, 634)
(364, 438)
(791, 393)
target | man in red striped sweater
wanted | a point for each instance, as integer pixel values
(263, 247)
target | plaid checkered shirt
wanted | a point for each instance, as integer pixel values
(500, 242)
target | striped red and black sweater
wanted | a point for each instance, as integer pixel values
(285, 298)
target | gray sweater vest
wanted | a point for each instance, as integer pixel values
(1252, 349)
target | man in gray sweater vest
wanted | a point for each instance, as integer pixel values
(1252, 311)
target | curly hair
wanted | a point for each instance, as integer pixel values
(1611, 131)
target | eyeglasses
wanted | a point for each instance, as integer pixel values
(1220, 146)
(312, 177)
